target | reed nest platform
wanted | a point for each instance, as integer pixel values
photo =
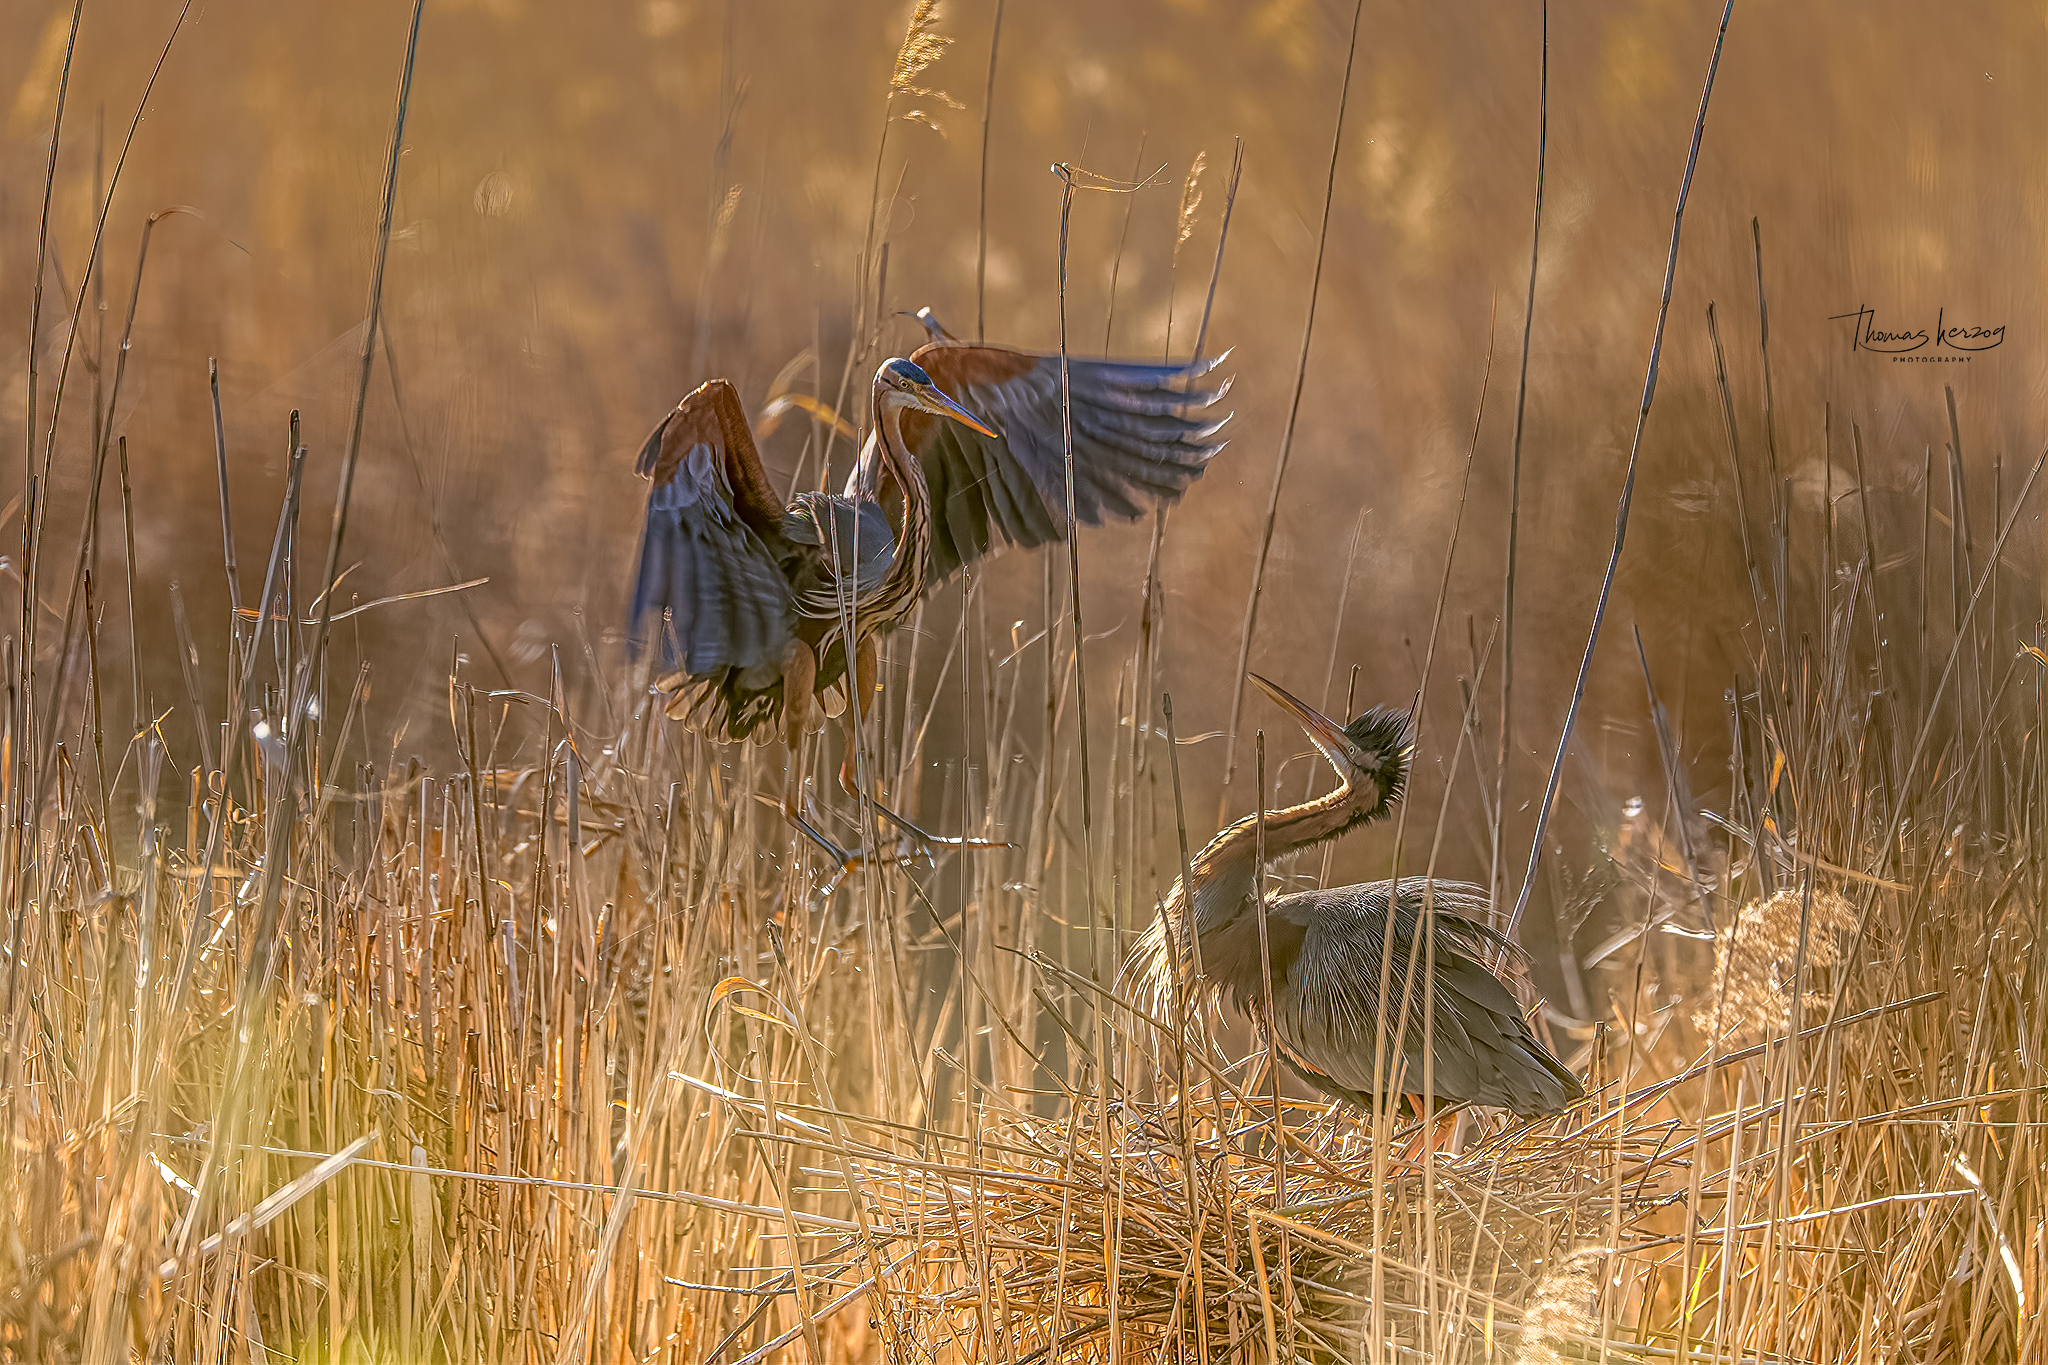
(1166, 1232)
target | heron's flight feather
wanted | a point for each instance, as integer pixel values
(1140, 439)
(709, 587)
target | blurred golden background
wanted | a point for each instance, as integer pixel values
(600, 206)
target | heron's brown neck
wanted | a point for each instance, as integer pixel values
(906, 575)
(1224, 873)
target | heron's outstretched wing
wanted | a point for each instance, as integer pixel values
(1141, 436)
(711, 587)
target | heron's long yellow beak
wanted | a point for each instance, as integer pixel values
(932, 400)
(1326, 734)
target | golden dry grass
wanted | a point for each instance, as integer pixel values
(597, 1054)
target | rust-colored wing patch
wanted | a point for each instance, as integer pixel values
(712, 416)
(954, 367)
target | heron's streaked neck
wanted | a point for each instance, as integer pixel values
(1224, 872)
(913, 538)
(889, 406)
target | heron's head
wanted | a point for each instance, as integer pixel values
(1371, 753)
(903, 383)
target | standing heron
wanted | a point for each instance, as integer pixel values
(756, 606)
(1326, 950)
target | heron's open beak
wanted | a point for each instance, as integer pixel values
(931, 400)
(1326, 734)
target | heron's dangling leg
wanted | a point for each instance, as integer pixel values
(844, 859)
(799, 681)
(799, 710)
(799, 720)
(861, 692)
(801, 665)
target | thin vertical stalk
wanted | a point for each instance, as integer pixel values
(1066, 175)
(1880, 642)
(1308, 327)
(1443, 590)
(367, 358)
(1781, 506)
(1271, 1041)
(988, 109)
(227, 522)
(1116, 262)
(21, 821)
(88, 529)
(1103, 1029)
(1507, 608)
(1756, 591)
(1222, 239)
(1628, 482)
(137, 708)
(1186, 975)
(1926, 521)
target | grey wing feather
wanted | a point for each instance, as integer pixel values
(708, 583)
(1141, 437)
(1330, 1010)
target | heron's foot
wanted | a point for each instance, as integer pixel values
(924, 836)
(900, 852)
(903, 851)
(1434, 1138)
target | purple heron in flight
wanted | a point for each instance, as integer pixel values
(759, 609)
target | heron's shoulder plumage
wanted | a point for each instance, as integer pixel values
(959, 365)
(848, 542)
(1472, 1040)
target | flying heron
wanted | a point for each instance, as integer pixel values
(1323, 1002)
(756, 606)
